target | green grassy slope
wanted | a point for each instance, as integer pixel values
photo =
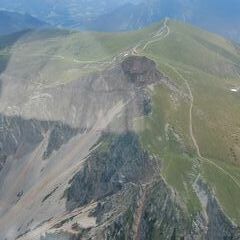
(62, 56)
(6, 42)
(211, 67)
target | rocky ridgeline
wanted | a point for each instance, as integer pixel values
(16, 132)
(132, 200)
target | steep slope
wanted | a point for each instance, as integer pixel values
(11, 22)
(202, 118)
(119, 136)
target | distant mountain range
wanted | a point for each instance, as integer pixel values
(219, 16)
(67, 13)
(13, 22)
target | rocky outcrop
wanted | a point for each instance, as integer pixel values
(118, 160)
(164, 217)
(60, 236)
(141, 70)
(216, 224)
(16, 132)
(220, 226)
(3, 159)
(118, 171)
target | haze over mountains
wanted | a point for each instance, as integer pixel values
(11, 22)
(68, 13)
(220, 16)
(217, 16)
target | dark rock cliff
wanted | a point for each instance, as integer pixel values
(17, 133)
(120, 172)
(119, 160)
(141, 70)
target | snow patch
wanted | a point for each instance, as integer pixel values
(234, 89)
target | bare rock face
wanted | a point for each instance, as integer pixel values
(47, 135)
(140, 70)
(107, 172)
(72, 167)
(138, 65)
(16, 131)
(2, 160)
(83, 102)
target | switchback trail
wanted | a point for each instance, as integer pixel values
(158, 36)
(195, 143)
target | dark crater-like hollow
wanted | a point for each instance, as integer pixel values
(140, 70)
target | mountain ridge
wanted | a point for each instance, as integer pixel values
(220, 17)
(207, 15)
(11, 22)
(156, 153)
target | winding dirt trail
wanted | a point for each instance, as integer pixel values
(195, 143)
(158, 36)
(190, 110)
